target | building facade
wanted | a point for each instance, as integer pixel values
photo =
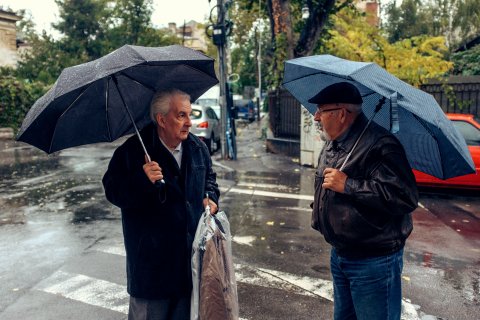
(192, 34)
(8, 38)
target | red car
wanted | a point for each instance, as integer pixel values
(469, 127)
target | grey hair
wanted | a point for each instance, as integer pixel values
(161, 102)
(355, 108)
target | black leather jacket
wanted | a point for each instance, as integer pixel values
(373, 216)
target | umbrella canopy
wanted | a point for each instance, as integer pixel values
(432, 144)
(88, 102)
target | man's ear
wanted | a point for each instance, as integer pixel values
(160, 120)
(343, 115)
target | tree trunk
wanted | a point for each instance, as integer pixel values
(313, 27)
(281, 23)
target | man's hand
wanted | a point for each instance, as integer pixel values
(152, 170)
(213, 205)
(334, 180)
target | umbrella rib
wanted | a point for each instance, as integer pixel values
(106, 108)
(64, 112)
(421, 121)
(135, 80)
(313, 74)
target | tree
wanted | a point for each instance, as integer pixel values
(290, 35)
(16, 98)
(467, 63)
(413, 60)
(130, 23)
(81, 23)
(457, 21)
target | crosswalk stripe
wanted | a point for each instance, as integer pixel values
(114, 296)
(88, 290)
(271, 194)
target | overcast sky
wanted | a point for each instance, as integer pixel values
(44, 12)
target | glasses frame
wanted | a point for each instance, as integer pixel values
(320, 112)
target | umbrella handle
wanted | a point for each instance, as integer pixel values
(158, 182)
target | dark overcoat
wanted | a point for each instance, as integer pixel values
(159, 224)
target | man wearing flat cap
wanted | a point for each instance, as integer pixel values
(362, 206)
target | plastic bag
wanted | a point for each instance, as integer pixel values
(214, 294)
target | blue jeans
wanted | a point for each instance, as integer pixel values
(367, 289)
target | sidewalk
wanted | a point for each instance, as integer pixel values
(252, 154)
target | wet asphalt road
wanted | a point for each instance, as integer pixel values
(62, 256)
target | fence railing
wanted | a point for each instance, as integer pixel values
(459, 94)
(284, 114)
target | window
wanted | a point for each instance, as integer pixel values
(469, 132)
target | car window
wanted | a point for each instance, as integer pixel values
(211, 114)
(196, 114)
(469, 132)
(207, 102)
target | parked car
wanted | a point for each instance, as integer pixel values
(206, 126)
(244, 109)
(211, 98)
(469, 127)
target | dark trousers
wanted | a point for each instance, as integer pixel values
(164, 309)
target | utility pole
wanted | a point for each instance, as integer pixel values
(219, 36)
(259, 59)
(219, 33)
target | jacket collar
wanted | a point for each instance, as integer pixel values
(346, 143)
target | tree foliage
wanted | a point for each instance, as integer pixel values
(457, 20)
(467, 63)
(290, 34)
(413, 60)
(16, 98)
(89, 29)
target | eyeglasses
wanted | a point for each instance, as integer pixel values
(320, 112)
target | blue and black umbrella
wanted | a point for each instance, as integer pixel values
(105, 99)
(432, 144)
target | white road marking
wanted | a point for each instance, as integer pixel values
(262, 185)
(246, 240)
(88, 290)
(113, 296)
(271, 194)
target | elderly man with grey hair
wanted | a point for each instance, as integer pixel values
(159, 220)
(362, 206)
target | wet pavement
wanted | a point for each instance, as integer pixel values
(62, 254)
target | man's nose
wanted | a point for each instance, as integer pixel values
(188, 122)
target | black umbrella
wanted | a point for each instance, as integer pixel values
(105, 99)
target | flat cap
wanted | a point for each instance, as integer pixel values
(341, 92)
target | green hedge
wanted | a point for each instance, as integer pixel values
(16, 98)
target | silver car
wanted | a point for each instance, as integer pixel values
(206, 126)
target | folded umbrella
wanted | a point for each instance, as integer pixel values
(432, 144)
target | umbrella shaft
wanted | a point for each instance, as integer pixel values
(114, 77)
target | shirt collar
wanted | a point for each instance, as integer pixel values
(177, 148)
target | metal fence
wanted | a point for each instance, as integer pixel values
(284, 114)
(459, 94)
